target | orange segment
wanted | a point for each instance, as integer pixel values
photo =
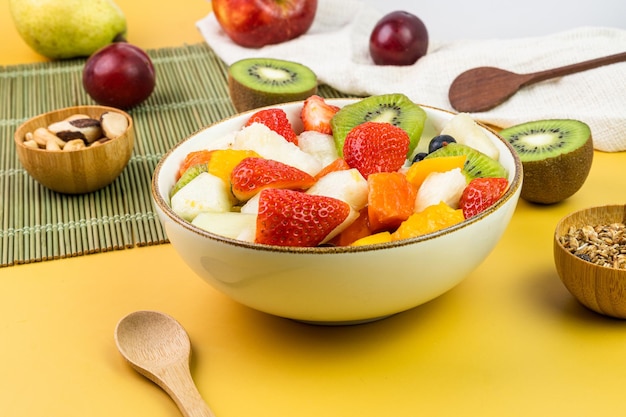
(390, 201)
(431, 219)
(224, 160)
(420, 170)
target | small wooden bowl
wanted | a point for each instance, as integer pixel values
(79, 171)
(599, 288)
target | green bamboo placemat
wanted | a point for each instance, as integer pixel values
(37, 224)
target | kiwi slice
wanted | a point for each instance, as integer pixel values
(396, 109)
(191, 173)
(477, 164)
(260, 82)
(556, 156)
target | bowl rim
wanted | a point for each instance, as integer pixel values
(18, 139)
(514, 187)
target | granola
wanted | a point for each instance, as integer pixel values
(603, 245)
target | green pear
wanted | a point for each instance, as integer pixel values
(60, 29)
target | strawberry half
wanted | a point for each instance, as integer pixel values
(275, 119)
(480, 194)
(316, 114)
(376, 147)
(293, 218)
(252, 175)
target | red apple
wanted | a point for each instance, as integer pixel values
(256, 23)
(119, 75)
(399, 38)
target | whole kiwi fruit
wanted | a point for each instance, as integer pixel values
(261, 82)
(556, 156)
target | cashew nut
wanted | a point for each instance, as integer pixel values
(52, 145)
(74, 145)
(31, 144)
(43, 136)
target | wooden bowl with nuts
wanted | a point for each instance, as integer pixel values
(590, 258)
(76, 150)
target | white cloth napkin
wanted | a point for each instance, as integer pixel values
(336, 49)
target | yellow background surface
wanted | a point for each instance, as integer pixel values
(508, 341)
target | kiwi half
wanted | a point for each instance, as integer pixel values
(260, 82)
(396, 109)
(556, 156)
(477, 164)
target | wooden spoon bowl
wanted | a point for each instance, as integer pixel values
(483, 88)
(78, 171)
(158, 347)
(599, 288)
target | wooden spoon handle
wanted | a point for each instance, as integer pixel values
(574, 68)
(176, 380)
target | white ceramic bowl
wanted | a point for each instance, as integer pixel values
(334, 285)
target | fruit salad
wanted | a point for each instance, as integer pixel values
(354, 176)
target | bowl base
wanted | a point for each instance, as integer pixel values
(346, 322)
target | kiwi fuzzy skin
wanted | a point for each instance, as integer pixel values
(245, 98)
(552, 180)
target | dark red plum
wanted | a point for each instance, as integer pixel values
(119, 75)
(399, 38)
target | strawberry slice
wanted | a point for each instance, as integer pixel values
(252, 175)
(275, 119)
(293, 218)
(316, 114)
(376, 147)
(480, 194)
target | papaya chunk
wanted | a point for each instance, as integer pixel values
(390, 201)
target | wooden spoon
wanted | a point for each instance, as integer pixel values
(484, 88)
(158, 347)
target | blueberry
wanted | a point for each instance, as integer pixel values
(439, 142)
(419, 156)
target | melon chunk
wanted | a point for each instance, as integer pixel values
(205, 192)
